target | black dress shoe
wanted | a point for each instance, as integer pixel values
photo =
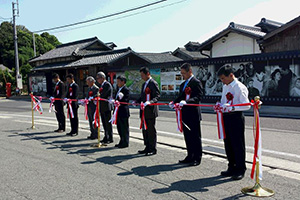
(117, 145)
(69, 133)
(185, 161)
(122, 146)
(74, 134)
(237, 177)
(195, 163)
(104, 141)
(142, 151)
(56, 130)
(227, 173)
(91, 138)
(151, 153)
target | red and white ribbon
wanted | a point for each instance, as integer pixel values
(178, 111)
(220, 122)
(52, 107)
(257, 137)
(96, 114)
(143, 121)
(37, 104)
(114, 118)
(70, 110)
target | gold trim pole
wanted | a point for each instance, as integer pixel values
(99, 144)
(257, 190)
(32, 114)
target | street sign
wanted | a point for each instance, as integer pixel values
(19, 82)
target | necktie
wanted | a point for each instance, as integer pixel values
(186, 82)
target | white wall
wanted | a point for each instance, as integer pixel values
(234, 44)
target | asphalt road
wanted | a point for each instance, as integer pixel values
(40, 164)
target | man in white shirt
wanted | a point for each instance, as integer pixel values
(234, 92)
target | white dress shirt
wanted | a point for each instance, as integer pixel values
(239, 92)
(146, 83)
(119, 91)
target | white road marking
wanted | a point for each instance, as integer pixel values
(171, 134)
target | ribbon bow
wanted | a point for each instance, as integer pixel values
(96, 114)
(178, 111)
(220, 122)
(70, 110)
(71, 91)
(114, 118)
(37, 104)
(188, 92)
(143, 121)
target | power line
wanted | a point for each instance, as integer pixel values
(102, 17)
(137, 13)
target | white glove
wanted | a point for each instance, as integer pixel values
(65, 100)
(226, 107)
(111, 101)
(171, 105)
(134, 104)
(121, 95)
(182, 103)
(90, 98)
(147, 103)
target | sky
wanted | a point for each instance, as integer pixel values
(172, 24)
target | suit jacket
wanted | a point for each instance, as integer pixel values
(150, 111)
(124, 108)
(191, 112)
(59, 92)
(74, 94)
(107, 93)
(95, 93)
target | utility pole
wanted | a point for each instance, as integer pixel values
(15, 9)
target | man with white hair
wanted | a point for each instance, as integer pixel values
(93, 91)
(106, 92)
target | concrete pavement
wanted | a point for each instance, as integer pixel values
(40, 164)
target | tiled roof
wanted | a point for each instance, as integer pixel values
(72, 49)
(98, 59)
(268, 25)
(250, 31)
(193, 55)
(49, 66)
(159, 57)
(3, 67)
(282, 28)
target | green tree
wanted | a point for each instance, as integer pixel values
(44, 42)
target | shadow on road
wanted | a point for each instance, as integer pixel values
(189, 186)
(91, 150)
(111, 160)
(153, 170)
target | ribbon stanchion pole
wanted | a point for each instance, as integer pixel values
(99, 144)
(257, 190)
(32, 113)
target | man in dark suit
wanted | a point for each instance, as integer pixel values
(72, 93)
(191, 92)
(123, 112)
(106, 92)
(149, 94)
(59, 92)
(93, 91)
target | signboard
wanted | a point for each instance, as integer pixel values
(19, 81)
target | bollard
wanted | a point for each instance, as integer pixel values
(257, 190)
(99, 144)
